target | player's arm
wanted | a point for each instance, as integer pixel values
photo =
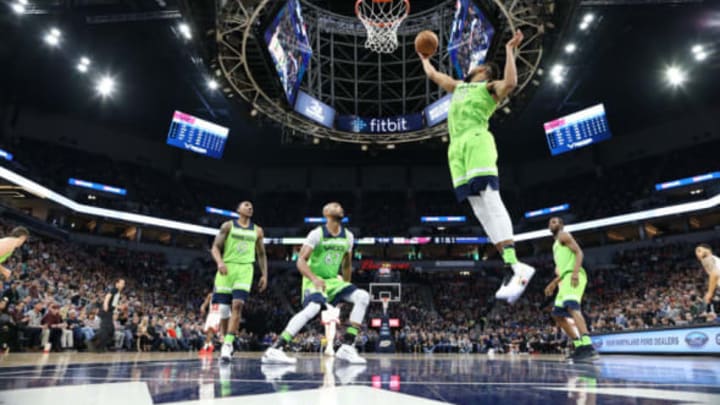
(262, 258)
(441, 79)
(304, 268)
(709, 265)
(347, 266)
(567, 240)
(6, 246)
(504, 87)
(206, 303)
(217, 247)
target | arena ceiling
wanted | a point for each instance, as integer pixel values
(619, 62)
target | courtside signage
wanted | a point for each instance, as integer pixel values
(704, 340)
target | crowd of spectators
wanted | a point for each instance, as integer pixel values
(53, 300)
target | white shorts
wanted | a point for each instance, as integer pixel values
(213, 318)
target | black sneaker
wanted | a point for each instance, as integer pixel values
(585, 354)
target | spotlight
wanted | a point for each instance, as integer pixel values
(316, 141)
(18, 8)
(588, 18)
(697, 49)
(212, 84)
(675, 76)
(445, 139)
(391, 146)
(570, 48)
(105, 86)
(584, 26)
(185, 30)
(557, 69)
(558, 79)
(82, 68)
(364, 148)
(700, 56)
(52, 38)
(23, 2)
(85, 61)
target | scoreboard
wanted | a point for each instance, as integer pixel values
(196, 135)
(577, 130)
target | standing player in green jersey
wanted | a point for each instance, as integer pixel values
(8, 244)
(326, 250)
(571, 279)
(234, 251)
(472, 155)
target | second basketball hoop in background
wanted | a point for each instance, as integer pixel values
(381, 19)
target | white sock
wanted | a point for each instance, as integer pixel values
(360, 300)
(303, 317)
(492, 214)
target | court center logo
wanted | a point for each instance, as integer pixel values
(696, 339)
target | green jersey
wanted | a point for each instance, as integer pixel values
(240, 244)
(471, 107)
(6, 256)
(328, 251)
(564, 259)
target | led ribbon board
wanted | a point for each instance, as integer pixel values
(443, 219)
(321, 220)
(546, 211)
(97, 186)
(6, 155)
(45, 193)
(687, 181)
(219, 211)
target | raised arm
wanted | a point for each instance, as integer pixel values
(441, 79)
(218, 245)
(262, 258)
(504, 87)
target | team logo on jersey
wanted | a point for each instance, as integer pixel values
(696, 339)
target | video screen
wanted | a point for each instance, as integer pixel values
(470, 38)
(287, 41)
(196, 135)
(577, 130)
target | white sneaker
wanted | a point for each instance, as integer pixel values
(349, 354)
(226, 352)
(349, 374)
(276, 356)
(513, 289)
(275, 372)
(329, 351)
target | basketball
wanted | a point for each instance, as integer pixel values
(426, 43)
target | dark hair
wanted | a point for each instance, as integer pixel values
(491, 71)
(559, 220)
(19, 231)
(705, 245)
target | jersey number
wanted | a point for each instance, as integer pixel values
(333, 258)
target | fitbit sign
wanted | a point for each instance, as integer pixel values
(384, 125)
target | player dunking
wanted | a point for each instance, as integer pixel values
(711, 264)
(571, 279)
(8, 244)
(234, 251)
(326, 250)
(472, 155)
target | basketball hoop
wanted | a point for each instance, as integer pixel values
(381, 19)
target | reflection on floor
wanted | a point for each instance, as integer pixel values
(171, 378)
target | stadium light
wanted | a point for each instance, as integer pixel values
(52, 38)
(363, 147)
(675, 76)
(570, 48)
(82, 68)
(212, 84)
(105, 86)
(391, 146)
(85, 61)
(588, 18)
(18, 8)
(697, 49)
(184, 29)
(700, 56)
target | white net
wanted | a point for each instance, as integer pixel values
(381, 19)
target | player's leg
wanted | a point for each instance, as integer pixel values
(222, 294)
(571, 298)
(313, 301)
(241, 276)
(482, 189)
(339, 290)
(330, 318)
